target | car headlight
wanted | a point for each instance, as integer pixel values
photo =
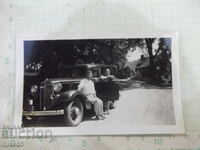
(57, 87)
(34, 89)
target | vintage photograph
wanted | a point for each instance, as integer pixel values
(104, 83)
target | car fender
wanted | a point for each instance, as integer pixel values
(69, 95)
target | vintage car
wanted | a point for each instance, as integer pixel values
(59, 96)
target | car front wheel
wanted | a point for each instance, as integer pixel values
(73, 112)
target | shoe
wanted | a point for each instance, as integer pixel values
(97, 118)
(103, 116)
(100, 117)
(104, 113)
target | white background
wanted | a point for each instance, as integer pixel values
(91, 15)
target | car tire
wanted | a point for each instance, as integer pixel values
(73, 112)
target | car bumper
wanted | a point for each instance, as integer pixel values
(43, 113)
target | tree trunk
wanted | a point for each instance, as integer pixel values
(149, 43)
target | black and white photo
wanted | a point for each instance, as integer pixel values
(105, 85)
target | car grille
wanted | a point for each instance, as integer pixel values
(42, 97)
(48, 90)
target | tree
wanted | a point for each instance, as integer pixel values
(107, 51)
(159, 58)
(149, 44)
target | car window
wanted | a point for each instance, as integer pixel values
(76, 72)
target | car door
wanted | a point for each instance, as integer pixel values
(107, 90)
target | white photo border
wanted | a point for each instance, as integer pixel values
(178, 128)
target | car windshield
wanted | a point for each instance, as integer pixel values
(74, 72)
(79, 72)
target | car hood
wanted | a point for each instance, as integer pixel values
(64, 80)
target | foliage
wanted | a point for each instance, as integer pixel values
(107, 51)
